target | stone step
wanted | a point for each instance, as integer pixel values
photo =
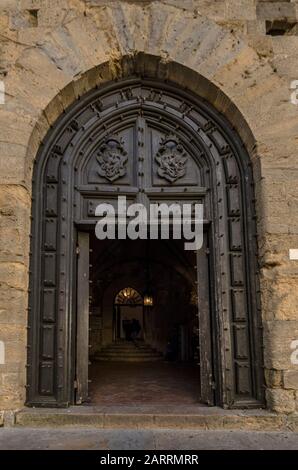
(127, 359)
(114, 352)
(128, 346)
(180, 417)
(128, 351)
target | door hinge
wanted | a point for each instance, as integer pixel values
(207, 251)
(75, 384)
(77, 250)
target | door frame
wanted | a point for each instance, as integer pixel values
(61, 198)
(207, 339)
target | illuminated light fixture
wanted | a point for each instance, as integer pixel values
(148, 297)
(148, 300)
(128, 296)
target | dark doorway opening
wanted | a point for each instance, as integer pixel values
(157, 362)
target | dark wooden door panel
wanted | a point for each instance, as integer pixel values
(82, 337)
(205, 314)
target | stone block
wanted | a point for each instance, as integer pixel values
(255, 27)
(13, 372)
(8, 4)
(13, 275)
(278, 292)
(290, 379)
(12, 334)
(13, 377)
(12, 157)
(273, 378)
(241, 9)
(12, 303)
(12, 401)
(14, 224)
(4, 20)
(52, 13)
(22, 19)
(9, 418)
(281, 401)
(276, 11)
(278, 339)
(278, 188)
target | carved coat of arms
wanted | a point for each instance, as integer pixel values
(112, 158)
(171, 158)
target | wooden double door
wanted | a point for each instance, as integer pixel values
(152, 142)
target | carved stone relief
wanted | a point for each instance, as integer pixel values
(112, 158)
(171, 158)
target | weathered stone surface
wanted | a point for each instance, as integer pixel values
(14, 223)
(281, 401)
(10, 168)
(278, 338)
(276, 10)
(290, 379)
(278, 292)
(12, 300)
(273, 378)
(137, 418)
(9, 418)
(147, 439)
(12, 390)
(241, 9)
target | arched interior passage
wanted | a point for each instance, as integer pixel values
(143, 353)
(151, 142)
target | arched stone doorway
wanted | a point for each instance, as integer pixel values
(141, 118)
(132, 302)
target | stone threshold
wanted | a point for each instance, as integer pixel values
(146, 417)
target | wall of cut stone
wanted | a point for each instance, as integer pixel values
(245, 55)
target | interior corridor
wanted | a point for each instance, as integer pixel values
(118, 383)
(149, 286)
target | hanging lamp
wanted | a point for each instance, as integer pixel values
(148, 296)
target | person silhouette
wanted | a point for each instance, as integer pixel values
(135, 329)
(127, 328)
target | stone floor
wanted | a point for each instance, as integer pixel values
(143, 439)
(145, 382)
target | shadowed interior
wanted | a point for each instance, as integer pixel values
(159, 363)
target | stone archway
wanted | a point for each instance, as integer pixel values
(140, 116)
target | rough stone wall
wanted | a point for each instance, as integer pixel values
(52, 51)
